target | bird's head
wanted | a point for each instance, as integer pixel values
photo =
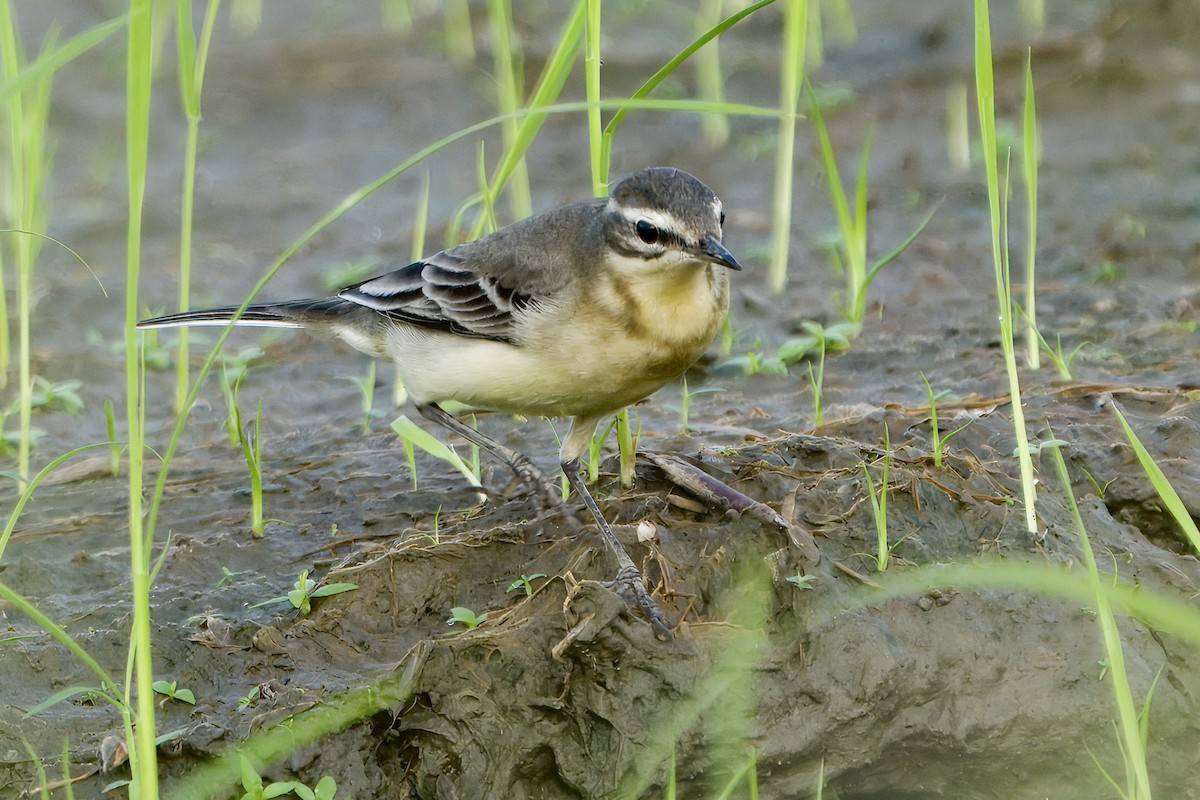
(664, 217)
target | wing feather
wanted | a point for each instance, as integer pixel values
(440, 292)
(482, 287)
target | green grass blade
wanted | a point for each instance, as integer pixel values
(709, 77)
(591, 71)
(51, 61)
(59, 634)
(142, 751)
(841, 205)
(985, 97)
(1029, 160)
(795, 35)
(1129, 724)
(58, 697)
(667, 69)
(549, 87)
(1153, 609)
(505, 59)
(31, 486)
(875, 269)
(1158, 479)
(412, 432)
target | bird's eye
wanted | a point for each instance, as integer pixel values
(647, 232)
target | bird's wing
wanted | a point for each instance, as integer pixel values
(443, 292)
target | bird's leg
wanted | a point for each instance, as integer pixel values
(629, 583)
(526, 471)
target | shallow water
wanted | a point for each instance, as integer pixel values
(965, 693)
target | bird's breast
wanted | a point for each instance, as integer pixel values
(581, 355)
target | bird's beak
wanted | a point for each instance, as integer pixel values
(715, 252)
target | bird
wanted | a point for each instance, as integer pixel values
(576, 312)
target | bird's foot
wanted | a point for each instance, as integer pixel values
(631, 588)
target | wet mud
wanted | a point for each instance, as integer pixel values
(562, 693)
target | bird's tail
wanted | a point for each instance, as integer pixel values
(293, 314)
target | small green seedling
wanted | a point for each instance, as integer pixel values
(686, 406)
(1029, 161)
(434, 538)
(938, 441)
(305, 590)
(998, 193)
(234, 367)
(852, 223)
(466, 617)
(802, 581)
(755, 362)
(878, 499)
(1062, 361)
(251, 445)
(628, 436)
(817, 341)
(10, 441)
(226, 578)
(1100, 490)
(62, 396)
(366, 388)
(250, 699)
(254, 789)
(525, 582)
(114, 446)
(170, 691)
(593, 452)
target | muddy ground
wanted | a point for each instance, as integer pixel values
(962, 693)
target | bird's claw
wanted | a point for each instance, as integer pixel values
(632, 589)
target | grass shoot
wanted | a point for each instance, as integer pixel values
(251, 444)
(1129, 727)
(27, 114)
(852, 224)
(938, 442)
(192, 60)
(1060, 358)
(997, 195)
(709, 78)
(595, 445)
(686, 396)
(958, 135)
(814, 344)
(141, 737)
(412, 434)
(878, 499)
(507, 59)
(1158, 479)
(1030, 153)
(791, 76)
(366, 393)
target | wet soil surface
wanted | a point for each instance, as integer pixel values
(563, 694)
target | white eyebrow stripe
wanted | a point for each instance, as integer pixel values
(664, 222)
